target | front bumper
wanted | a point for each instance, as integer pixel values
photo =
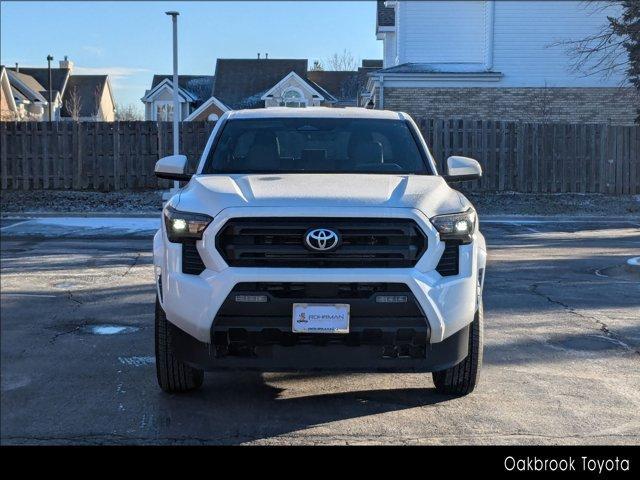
(330, 357)
(191, 302)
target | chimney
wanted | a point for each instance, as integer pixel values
(266, 56)
(66, 63)
(17, 68)
(258, 56)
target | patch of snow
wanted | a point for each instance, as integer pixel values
(110, 329)
(118, 223)
(137, 361)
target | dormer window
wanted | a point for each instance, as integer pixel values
(293, 98)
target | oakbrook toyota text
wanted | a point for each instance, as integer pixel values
(569, 464)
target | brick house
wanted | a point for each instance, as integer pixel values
(493, 60)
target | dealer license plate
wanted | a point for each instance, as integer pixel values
(320, 318)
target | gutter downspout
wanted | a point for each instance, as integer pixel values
(381, 95)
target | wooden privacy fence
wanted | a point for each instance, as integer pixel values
(541, 158)
(521, 157)
(101, 156)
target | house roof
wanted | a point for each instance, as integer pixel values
(240, 83)
(320, 89)
(317, 90)
(386, 16)
(59, 77)
(90, 89)
(343, 85)
(411, 68)
(199, 87)
(370, 63)
(429, 68)
(211, 101)
(6, 90)
(25, 87)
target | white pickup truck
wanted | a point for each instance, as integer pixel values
(323, 239)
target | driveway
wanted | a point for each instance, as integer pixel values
(562, 355)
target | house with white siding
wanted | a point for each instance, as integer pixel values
(502, 60)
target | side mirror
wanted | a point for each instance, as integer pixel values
(172, 168)
(462, 169)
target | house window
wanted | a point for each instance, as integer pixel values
(293, 98)
(164, 111)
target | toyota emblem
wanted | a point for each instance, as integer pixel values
(321, 239)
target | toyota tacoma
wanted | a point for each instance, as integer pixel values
(318, 239)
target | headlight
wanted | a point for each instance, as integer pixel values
(184, 226)
(456, 226)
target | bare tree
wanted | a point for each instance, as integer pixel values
(74, 104)
(342, 61)
(128, 113)
(615, 48)
(317, 66)
(601, 53)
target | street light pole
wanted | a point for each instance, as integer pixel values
(49, 58)
(176, 102)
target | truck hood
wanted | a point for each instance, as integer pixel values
(212, 193)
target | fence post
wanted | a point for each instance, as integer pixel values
(3, 154)
(634, 153)
(25, 161)
(116, 154)
(436, 144)
(619, 159)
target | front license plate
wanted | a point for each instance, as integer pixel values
(320, 318)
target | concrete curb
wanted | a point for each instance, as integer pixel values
(16, 215)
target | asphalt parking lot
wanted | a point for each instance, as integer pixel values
(562, 352)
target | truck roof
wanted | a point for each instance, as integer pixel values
(316, 112)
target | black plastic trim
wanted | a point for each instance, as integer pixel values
(449, 263)
(324, 357)
(191, 260)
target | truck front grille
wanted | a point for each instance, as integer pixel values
(279, 242)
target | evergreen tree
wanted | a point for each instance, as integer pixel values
(627, 27)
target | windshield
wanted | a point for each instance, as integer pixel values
(315, 145)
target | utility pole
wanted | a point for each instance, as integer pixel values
(176, 102)
(49, 58)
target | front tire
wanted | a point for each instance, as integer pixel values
(462, 378)
(174, 376)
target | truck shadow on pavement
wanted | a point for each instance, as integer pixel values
(243, 407)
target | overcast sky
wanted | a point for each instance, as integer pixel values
(132, 40)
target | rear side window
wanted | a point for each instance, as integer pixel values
(316, 145)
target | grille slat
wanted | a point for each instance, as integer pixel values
(279, 242)
(450, 260)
